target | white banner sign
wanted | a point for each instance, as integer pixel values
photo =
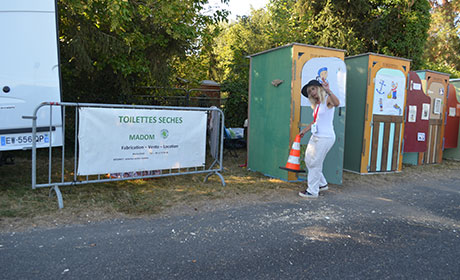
(123, 140)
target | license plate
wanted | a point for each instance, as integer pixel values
(23, 140)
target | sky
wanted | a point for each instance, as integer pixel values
(240, 7)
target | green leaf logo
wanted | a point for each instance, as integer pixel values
(164, 133)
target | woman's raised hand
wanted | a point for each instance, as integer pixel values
(325, 85)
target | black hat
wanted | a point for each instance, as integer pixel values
(310, 83)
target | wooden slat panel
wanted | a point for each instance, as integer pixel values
(432, 143)
(386, 140)
(438, 146)
(427, 154)
(421, 157)
(388, 119)
(375, 145)
(432, 134)
(435, 144)
(394, 161)
(439, 154)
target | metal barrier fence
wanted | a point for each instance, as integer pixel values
(215, 136)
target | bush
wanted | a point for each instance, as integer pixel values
(236, 105)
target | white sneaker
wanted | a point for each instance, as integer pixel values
(306, 194)
(323, 188)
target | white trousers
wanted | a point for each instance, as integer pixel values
(316, 152)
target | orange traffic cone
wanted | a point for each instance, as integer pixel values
(293, 163)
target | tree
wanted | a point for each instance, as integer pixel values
(333, 24)
(109, 47)
(201, 63)
(392, 27)
(442, 52)
(237, 41)
(400, 29)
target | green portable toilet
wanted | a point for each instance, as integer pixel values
(277, 110)
(452, 151)
(376, 95)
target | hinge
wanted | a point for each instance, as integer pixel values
(365, 112)
(293, 110)
(295, 69)
(364, 147)
(369, 77)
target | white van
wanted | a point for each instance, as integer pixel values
(29, 73)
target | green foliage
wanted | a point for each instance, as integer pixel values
(288, 22)
(108, 47)
(401, 30)
(236, 105)
(239, 40)
(443, 68)
(249, 35)
(392, 27)
(442, 51)
(329, 29)
(201, 63)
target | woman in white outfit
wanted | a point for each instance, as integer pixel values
(323, 102)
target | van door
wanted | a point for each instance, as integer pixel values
(29, 73)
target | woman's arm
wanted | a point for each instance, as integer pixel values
(305, 130)
(332, 99)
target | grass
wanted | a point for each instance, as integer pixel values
(133, 197)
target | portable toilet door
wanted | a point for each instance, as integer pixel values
(435, 86)
(376, 96)
(452, 119)
(275, 111)
(452, 145)
(318, 65)
(417, 120)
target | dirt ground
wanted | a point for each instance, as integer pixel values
(379, 183)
